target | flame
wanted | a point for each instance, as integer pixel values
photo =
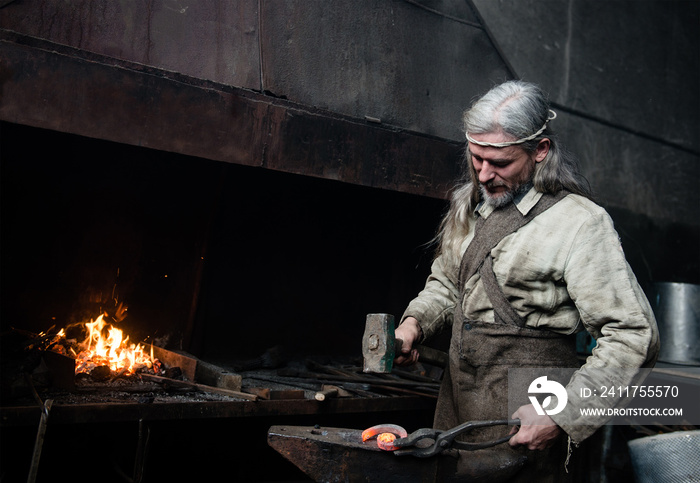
(106, 345)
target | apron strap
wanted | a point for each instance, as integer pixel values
(504, 313)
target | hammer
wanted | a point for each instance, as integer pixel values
(379, 346)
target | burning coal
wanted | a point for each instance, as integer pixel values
(105, 351)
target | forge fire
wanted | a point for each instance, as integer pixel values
(105, 351)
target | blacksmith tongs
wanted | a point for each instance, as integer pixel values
(445, 439)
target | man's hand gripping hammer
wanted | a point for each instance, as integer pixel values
(380, 347)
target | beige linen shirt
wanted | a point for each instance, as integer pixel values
(565, 271)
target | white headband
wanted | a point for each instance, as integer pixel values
(552, 115)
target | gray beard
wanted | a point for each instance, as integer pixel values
(505, 198)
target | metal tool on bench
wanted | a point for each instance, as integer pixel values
(380, 347)
(406, 444)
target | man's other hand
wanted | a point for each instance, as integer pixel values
(536, 432)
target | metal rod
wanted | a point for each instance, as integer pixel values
(141, 451)
(39, 443)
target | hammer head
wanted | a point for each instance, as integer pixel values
(378, 348)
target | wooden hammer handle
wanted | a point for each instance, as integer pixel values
(425, 354)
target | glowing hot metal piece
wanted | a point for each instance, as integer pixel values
(385, 441)
(386, 434)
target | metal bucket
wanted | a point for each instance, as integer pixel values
(677, 310)
(670, 457)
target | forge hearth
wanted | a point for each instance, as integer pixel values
(37, 374)
(189, 427)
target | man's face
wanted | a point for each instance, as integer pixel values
(501, 172)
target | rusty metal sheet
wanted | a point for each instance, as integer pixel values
(415, 65)
(208, 39)
(612, 75)
(135, 105)
(348, 150)
(139, 105)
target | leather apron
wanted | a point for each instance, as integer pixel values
(475, 385)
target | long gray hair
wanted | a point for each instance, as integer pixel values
(518, 109)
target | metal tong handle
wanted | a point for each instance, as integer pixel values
(479, 424)
(446, 439)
